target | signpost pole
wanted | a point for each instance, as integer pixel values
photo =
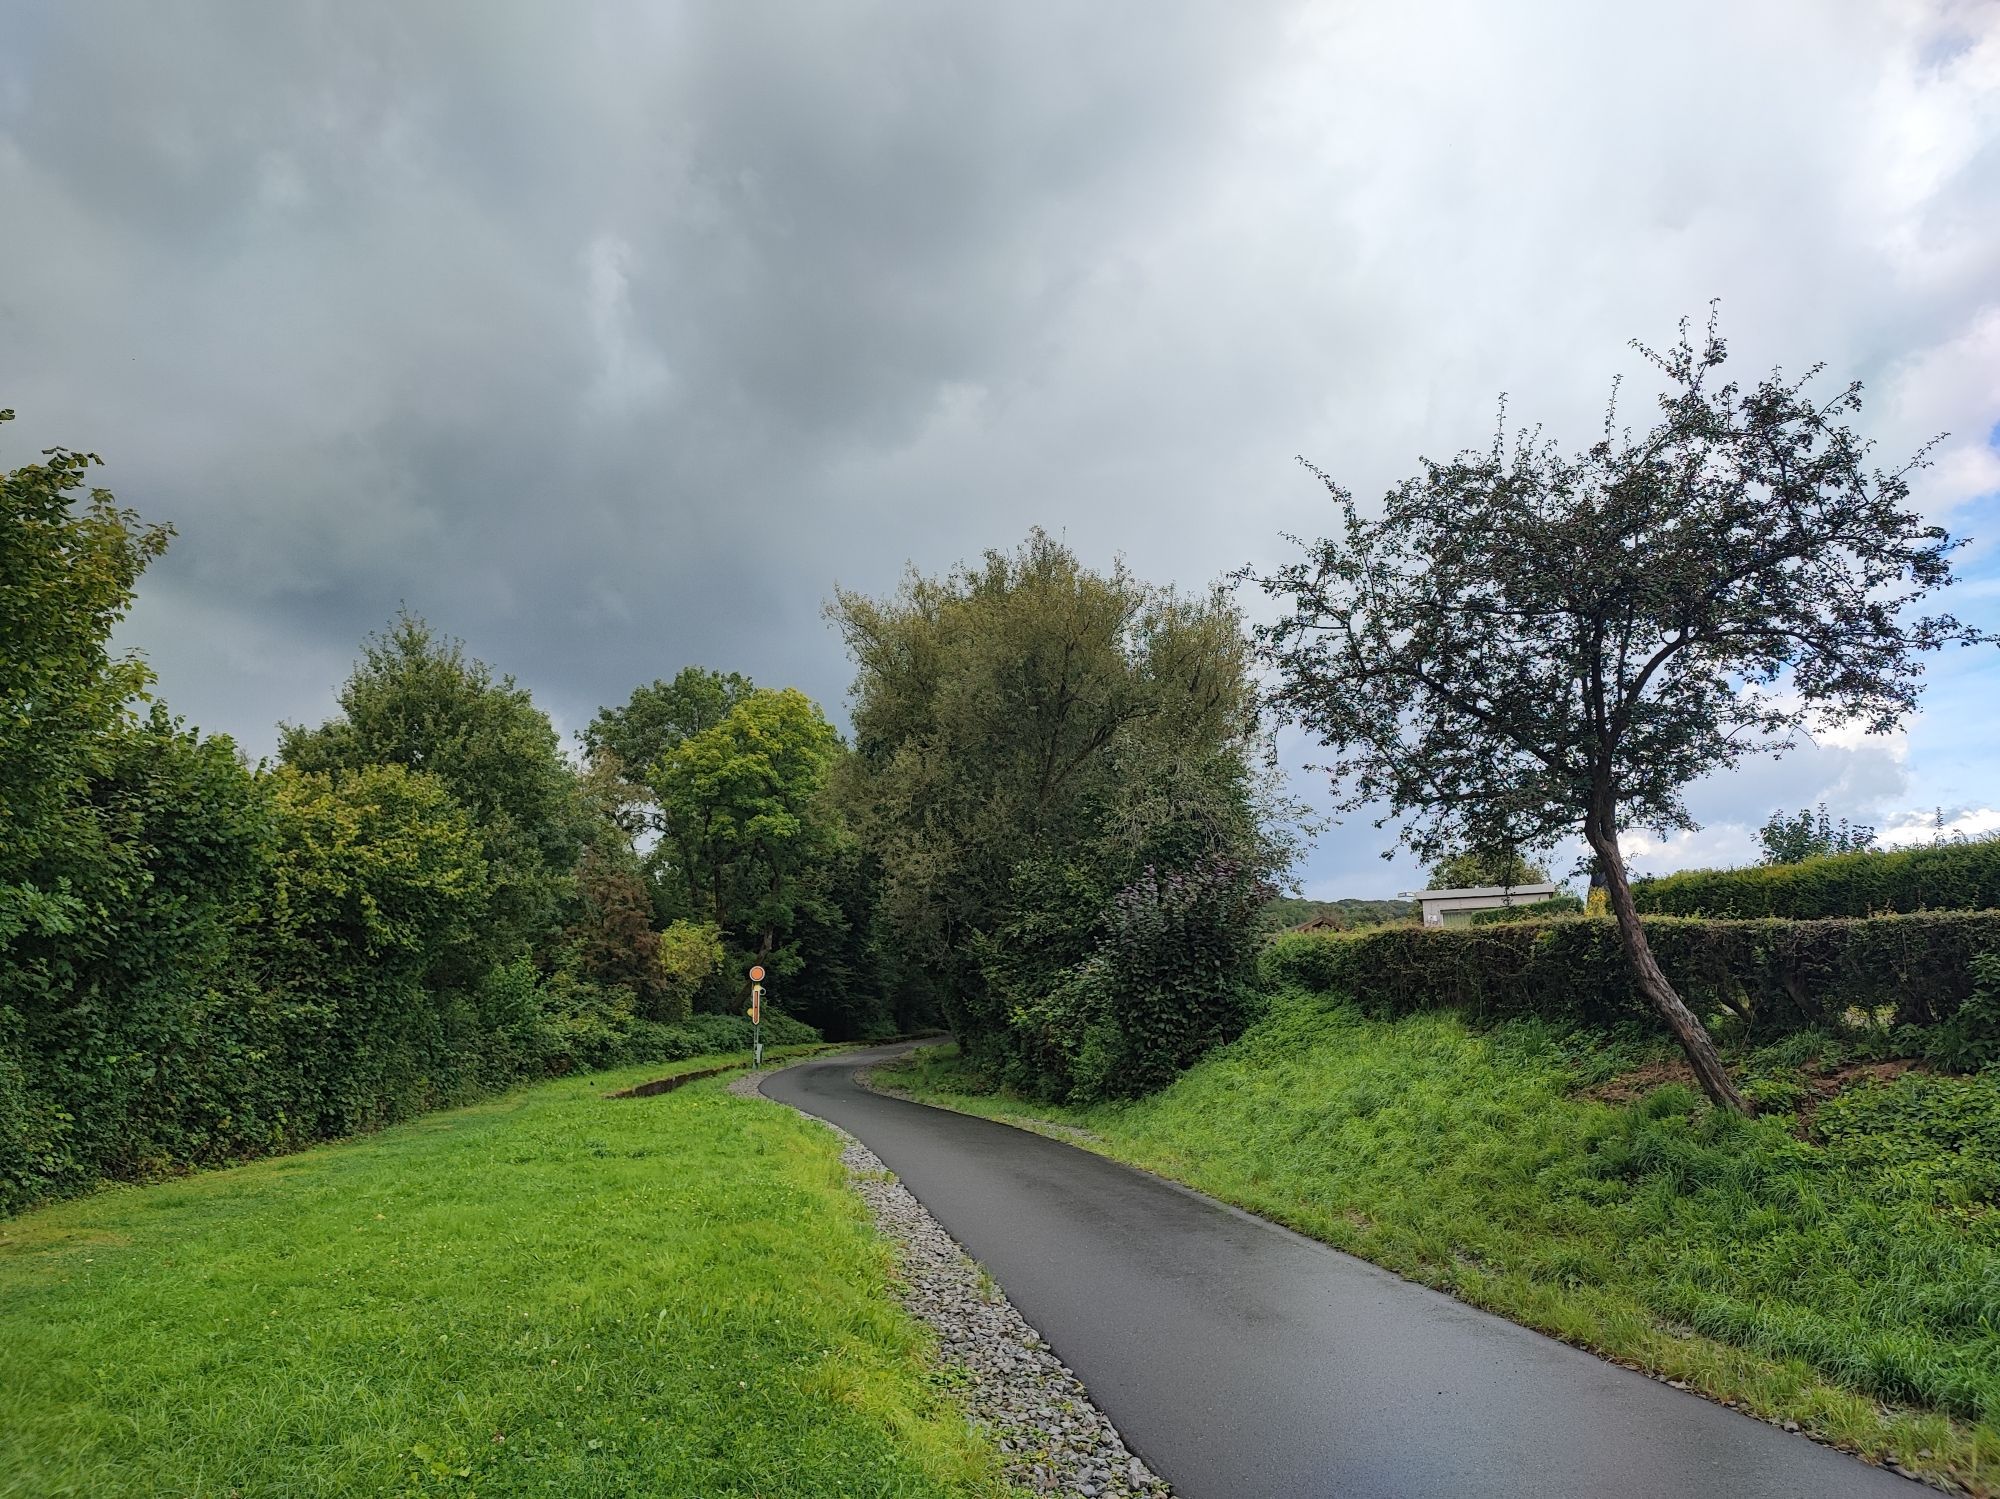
(757, 1014)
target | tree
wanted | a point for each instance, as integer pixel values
(1526, 642)
(744, 821)
(660, 715)
(613, 934)
(1031, 739)
(69, 561)
(690, 955)
(1472, 868)
(1792, 838)
(416, 700)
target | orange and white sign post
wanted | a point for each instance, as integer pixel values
(756, 1013)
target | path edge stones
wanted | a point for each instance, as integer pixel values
(1052, 1438)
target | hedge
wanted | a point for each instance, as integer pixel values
(1777, 975)
(1534, 910)
(1943, 877)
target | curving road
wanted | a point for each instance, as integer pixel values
(1241, 1359)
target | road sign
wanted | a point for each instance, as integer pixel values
(756, 1010)
(756, 973)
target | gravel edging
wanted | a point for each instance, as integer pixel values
(1052, 1439)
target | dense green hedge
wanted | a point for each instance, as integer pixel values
(1944, 877)
(1534, 910)
(1779, 975)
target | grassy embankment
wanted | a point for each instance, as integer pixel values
(546, 1293)
(1835, 1262)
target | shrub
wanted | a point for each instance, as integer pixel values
(1534, 910)
(689, 954)
(1169, 979)
(1777, 976)
(1942, 877)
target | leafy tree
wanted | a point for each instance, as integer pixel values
(1792, 838)
(68, 562)
(1526, 641)
(417, 701)
(1030, 738)
(741, 805)
(371, 942)
(613, 934)
(1471, 869)
(660, 715)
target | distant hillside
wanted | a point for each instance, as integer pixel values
(1288, 911)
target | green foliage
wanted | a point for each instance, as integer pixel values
(1773, 976)
(1812, 1267)
(742, 815)
(1792, 838)
(372, 946)
(690, 958)
(1472, 869)
(1032, 738)
(550, 1294)
(108, 1059)
(1534, 910)
(612, 933)
(417, 701)
(659, 716)
(1969, 1037)
(1940, 877)
(68, 563)
(1285, 912)
(1170, 978)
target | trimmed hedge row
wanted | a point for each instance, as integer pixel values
(1777, 975)
(1944, 877)
(1534, 910)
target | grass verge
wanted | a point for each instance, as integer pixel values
(1834, 1263)
(546, 1293)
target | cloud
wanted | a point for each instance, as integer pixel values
(611, 336)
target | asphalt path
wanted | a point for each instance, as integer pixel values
(1241, 1359)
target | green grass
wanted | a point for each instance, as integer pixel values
(1841, 1270)
(546, 1294)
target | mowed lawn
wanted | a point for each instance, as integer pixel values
(550, 1293)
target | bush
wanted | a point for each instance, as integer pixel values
(1943, 877)
(1918, 970)
(1170, 978)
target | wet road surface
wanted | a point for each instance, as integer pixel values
(1242, 1360)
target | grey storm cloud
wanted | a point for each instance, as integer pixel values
(610, 337)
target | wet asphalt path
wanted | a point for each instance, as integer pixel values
(1242, 1360)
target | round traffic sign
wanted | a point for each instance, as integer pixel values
(756, 973)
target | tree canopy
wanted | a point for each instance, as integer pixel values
(1031, 738)
(416, 700)
(1525, 643)
(1472, 868)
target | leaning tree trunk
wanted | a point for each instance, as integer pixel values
(1601, 833)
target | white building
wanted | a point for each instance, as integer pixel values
(1455, 907)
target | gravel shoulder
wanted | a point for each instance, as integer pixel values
(1052, 1438)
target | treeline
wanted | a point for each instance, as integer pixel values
(424, 899)
(1055, 830)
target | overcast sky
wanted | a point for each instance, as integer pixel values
(611, 337)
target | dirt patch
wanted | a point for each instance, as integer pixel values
(1630, 1087)
(1820, 1082)
(1836, 1080)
